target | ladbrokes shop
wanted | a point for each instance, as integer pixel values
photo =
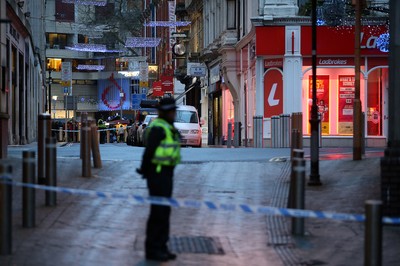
(286, 78)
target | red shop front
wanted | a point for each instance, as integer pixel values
(336, 80)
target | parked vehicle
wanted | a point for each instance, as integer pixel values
(141, 128)
(188, 125)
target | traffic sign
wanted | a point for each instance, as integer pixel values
(65, 83)
(143, 84)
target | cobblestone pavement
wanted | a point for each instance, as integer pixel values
(92, 231)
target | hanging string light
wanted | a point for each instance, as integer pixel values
(89, 47)
(167, 23)
(90, 67)
(142, 42)
(86, 2)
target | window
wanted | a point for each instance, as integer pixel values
(65, 12)
(186, 117)
(54, 64)
(56, 41)
(231, 14)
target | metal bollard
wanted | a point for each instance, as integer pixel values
(297, 154)
(44, 131)
(229, 140)
(299, 187)
(28, 194)
(60, 134)
(5, 209)
(85, 148)
(108, 136)
(373, 233)
(51, 171)
(295, 141)
(95, 146)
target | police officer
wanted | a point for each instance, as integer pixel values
(160, 157)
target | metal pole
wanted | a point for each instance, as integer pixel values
(28, 194)
(51, 171)
(50, 81)
(373, 233)
(5, 209)
(314, 175)
(299, 180)
(44, 131)
(85, 144)
(357, 102)
(229, 140)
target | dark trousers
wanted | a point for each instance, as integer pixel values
(157, 231)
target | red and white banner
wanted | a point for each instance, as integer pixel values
(322, 100)
(273, 93)
(167, 84)
(346, 101)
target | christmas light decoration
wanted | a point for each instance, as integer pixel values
(167, 23)
(89, 47)
(129, 73)
(321, 22)
(142, 42)
(90, 67)
(86, 2)
(383, 42)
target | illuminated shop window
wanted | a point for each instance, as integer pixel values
(377, 81)
(54, 64)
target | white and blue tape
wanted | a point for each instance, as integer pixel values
(210, 205)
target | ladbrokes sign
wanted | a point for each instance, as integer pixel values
(333, 41)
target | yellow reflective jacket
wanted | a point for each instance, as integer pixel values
(168, 153)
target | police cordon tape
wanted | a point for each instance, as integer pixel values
(197, 204)
(77, 130)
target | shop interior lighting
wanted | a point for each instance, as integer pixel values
(86, 2)
(142, 42)
(86, 47)
(167, 23)
(90, 67)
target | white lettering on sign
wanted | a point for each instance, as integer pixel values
(333, 61)
(273, 63)
(271, 96)
(370, 43)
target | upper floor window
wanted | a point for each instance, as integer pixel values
(65, 12)
(231, 14)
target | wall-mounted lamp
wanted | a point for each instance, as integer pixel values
(20, 4)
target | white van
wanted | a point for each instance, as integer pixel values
(188, 125)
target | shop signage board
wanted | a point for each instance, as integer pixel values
(66, 71)
(322, 100)
(136, 99)
(273, 93)
(196, 69)
(167, 84)
(157, 89)
(346, 101)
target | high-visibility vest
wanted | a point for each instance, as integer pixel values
(168, 153)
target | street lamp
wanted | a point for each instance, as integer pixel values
(121, 96)
(314, 121)
(50, 80)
